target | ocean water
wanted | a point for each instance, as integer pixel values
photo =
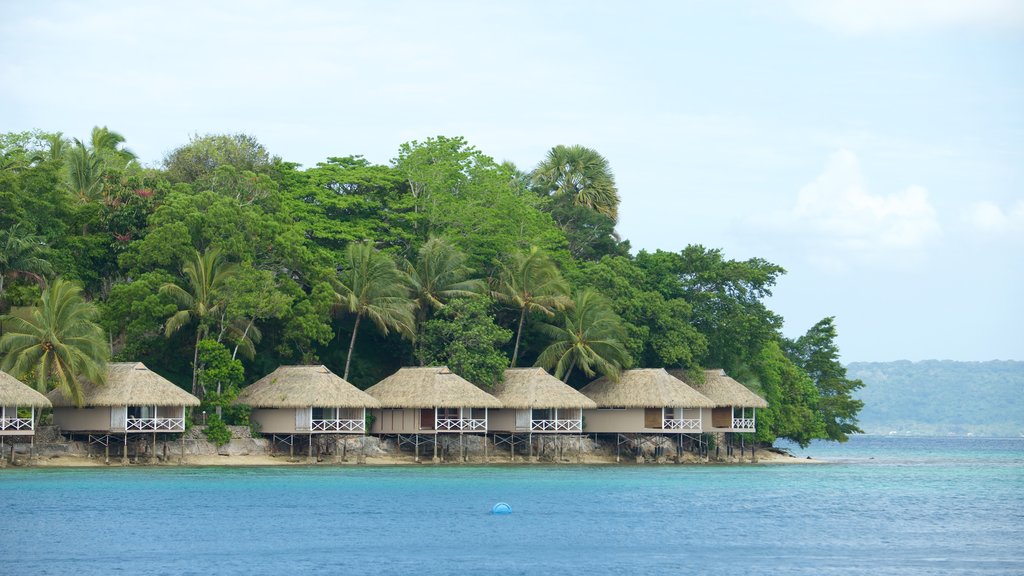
(908, 506)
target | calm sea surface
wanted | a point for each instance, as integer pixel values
(907, 506)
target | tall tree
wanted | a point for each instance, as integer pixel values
(464, 337)
(85, 172)
(22, 254)
(591, 338)
(56, 342)
(817, 353)
(580, 174)
(439, 274)
(530, 282)
(371, 285)
(207, 275)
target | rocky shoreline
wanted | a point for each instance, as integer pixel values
(50, 449)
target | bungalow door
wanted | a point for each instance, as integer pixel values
(652, 417)
(118, 417)
(721, 417)
(523, 419)
(427, 419)
(303, 419)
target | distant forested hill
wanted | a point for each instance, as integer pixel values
(941, 397)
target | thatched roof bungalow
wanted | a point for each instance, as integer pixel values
(646, 400)
(307, 400)
(18, 403)
(535, 401)
(428, 401)
(735, 404)
(133, 399)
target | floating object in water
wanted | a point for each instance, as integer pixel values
(501, 508)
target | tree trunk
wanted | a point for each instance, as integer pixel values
(519, 334)
(351, 345)
(240, 340)
(195, 363)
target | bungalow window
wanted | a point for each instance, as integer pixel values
(543, 414)
(670, 414)
(325, 413)
(448, 414)
(745, 413)
(144, 412)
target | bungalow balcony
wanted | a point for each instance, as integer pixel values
(681, 424)
(330, 419)
(16, 424)
(147, 419)
(154, 424)
(733, 419)
(454, 419)
(746, 424)
(339, 425)
(15, 420)
(461, 424)
(673, 419)
(571, 425)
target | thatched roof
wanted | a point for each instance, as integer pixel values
(722, 390)
(128, 384)
(432, 387)
(524, 388)
(645, 388)
(14, 392)
(303, 387)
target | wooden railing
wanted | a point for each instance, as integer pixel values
(681, 424)
(476, 424)
(556, 425)
(339, 425)
(15, 423)
(743, 424)
(156, 424)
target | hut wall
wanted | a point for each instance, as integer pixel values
(396, 421)
(501, 420)
(275, 420)
(96, 419)
(602, 421)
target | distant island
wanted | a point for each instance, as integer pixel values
(940, 397)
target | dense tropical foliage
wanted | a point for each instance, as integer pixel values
(226, 258)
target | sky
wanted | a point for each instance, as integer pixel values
(873, 148)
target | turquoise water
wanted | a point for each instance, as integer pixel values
(884, 506)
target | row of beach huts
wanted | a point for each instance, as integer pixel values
(413, 402)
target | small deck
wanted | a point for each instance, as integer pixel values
(338, 425)
(460, 425)
(155, 424)
(16, 425)
(681, 424)
(558, 425)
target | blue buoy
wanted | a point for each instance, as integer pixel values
(501, 508)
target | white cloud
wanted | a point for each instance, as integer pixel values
(870, 16)
(991, 219)
(839, 221)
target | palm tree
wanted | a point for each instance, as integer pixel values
(56, 342)
(108, 145)
(21, 254)
(85, 172)
(580, 174)
(591, 339)
(207, 274)
(87, 164)
(371, 285)
(530, 282)
(438, 275)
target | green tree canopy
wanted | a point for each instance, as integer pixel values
(55, 342)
